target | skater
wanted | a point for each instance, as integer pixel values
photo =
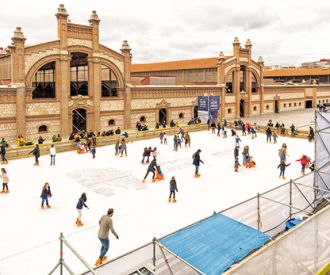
(218, 128)
(93, 151)
(213, 127)
(250, 163)
(269, 135)
(80, 205)
(154, 152)
(187, 140)
(274, 135)
(148, 154)
(282, 167)
(165, 138)
(312, 166)
(123, 147)
(253, 133)
(237, 141)
(311, 134)
(236, 165)
(144, 154)
(106, 225)
(175, 140)
(159, 173)
(243, 130)
(282, 152)
(293, 130)
(45, 194)
(5, 181)
(173, 189)
(179, 140)
(52, 152)
(3, 151)
(161, 137)
(197, 161)
(245, 155)
(117, 147)
(224, 130)
(304, 161)
(36, 153)
(283, 129)
(151, 169)
(236, 152)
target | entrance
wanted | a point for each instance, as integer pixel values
(277, 109)
(309, 104)
(195, 111)
(162, 116)
(79, 121)
(241, 108)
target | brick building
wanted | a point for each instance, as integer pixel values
(75, 83)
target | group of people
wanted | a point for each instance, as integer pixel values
(179, 138)
(142, 126)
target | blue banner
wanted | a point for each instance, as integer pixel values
(208, 107)
(214, 107)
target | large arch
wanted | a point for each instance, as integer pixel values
(117, 72)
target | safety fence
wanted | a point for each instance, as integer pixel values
(266, 212)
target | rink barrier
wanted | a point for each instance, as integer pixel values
(69, 145)
(266, 212)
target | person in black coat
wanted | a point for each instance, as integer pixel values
(151, 168)
(236, 152)
(3, 151)
(173, 189)
(45, 194)
(311, 134)
(196, 161)
(268, 135)
(36, 153)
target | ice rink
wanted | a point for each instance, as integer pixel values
(29, 235)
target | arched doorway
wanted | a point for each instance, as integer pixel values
(277, 108)
(79, 120)
(162, 116)
(195, 112)
(242, 108)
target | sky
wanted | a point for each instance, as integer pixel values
(283, 32)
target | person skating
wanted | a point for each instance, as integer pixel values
(236, 165)
(117, 147)
(173, 189)
(144, 154)
(197, 161)
(245, 155)
(93, 151)
(218, 128)
(293, 130)
(179, 140)
(175, 143)
(3, 151)
(253, 133)
(311, 134)
(237, 141)
(161, 137)
(304, 161)
(151, 169)
(5, 181)
(274, 135)
(45, 194)
(80, 205)
(52, 153)
(269, 135)
(36, 153)
(236, 152)
(165, 138)
(282, 167)
(187, 140)
(106, 225)
(213, 127)
(159, 173)
(282, 152)
(123, 147)
(154, 152)
(243, 129)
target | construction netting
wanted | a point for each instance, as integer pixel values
(322, 154)
(267, 212)
(305, 249)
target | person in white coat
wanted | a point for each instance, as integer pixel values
(52, 152)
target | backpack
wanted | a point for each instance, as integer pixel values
(193, 156)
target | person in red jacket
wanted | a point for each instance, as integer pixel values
(304, 161)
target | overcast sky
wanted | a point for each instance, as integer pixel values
(285, 32)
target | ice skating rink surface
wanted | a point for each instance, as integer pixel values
(29, 235)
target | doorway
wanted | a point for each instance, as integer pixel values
(309, 104)
(79, 120)
(195, 112)
(242, 108)
(277, 109)
(162, 116)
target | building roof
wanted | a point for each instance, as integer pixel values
(200, 63)
(297, 72)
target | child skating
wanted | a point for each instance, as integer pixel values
(236, 165)
(173, 189)
(45, 194)
(80, 205)
(282, 167)
(5, 181)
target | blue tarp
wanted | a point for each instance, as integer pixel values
(215, 244)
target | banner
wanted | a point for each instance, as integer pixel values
(208, 107)
(203, 108)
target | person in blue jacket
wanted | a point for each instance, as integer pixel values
(45, 194)
(80, 205)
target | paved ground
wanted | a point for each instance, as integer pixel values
(302, 119)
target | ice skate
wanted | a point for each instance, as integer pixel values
(48, 206)
(7, 191)
(77, 221)
(169, 200)
(3, 191)
(283, 178)
(80, 223)
(197, 175)
(144, 180)
(174, 200)
(104, 258)
(98, 262)
(154, 180)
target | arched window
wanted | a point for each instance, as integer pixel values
(267, 107)
(229, 83)
(295, 104)
(181, 115)
(42, 128)
(284, 105)
(254, 108)
(253, 83)
(229, 111)
(111, 122)
(109, 82)
(78, 74)
(142, 119)
(44, 82)
(299, 103)
(290, 104)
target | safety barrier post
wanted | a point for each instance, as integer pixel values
(258, 208)
(154, 254)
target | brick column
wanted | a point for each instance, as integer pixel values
(126, 51)
(237, 90)
(96, 87)
(63, 83)
(248, 90)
